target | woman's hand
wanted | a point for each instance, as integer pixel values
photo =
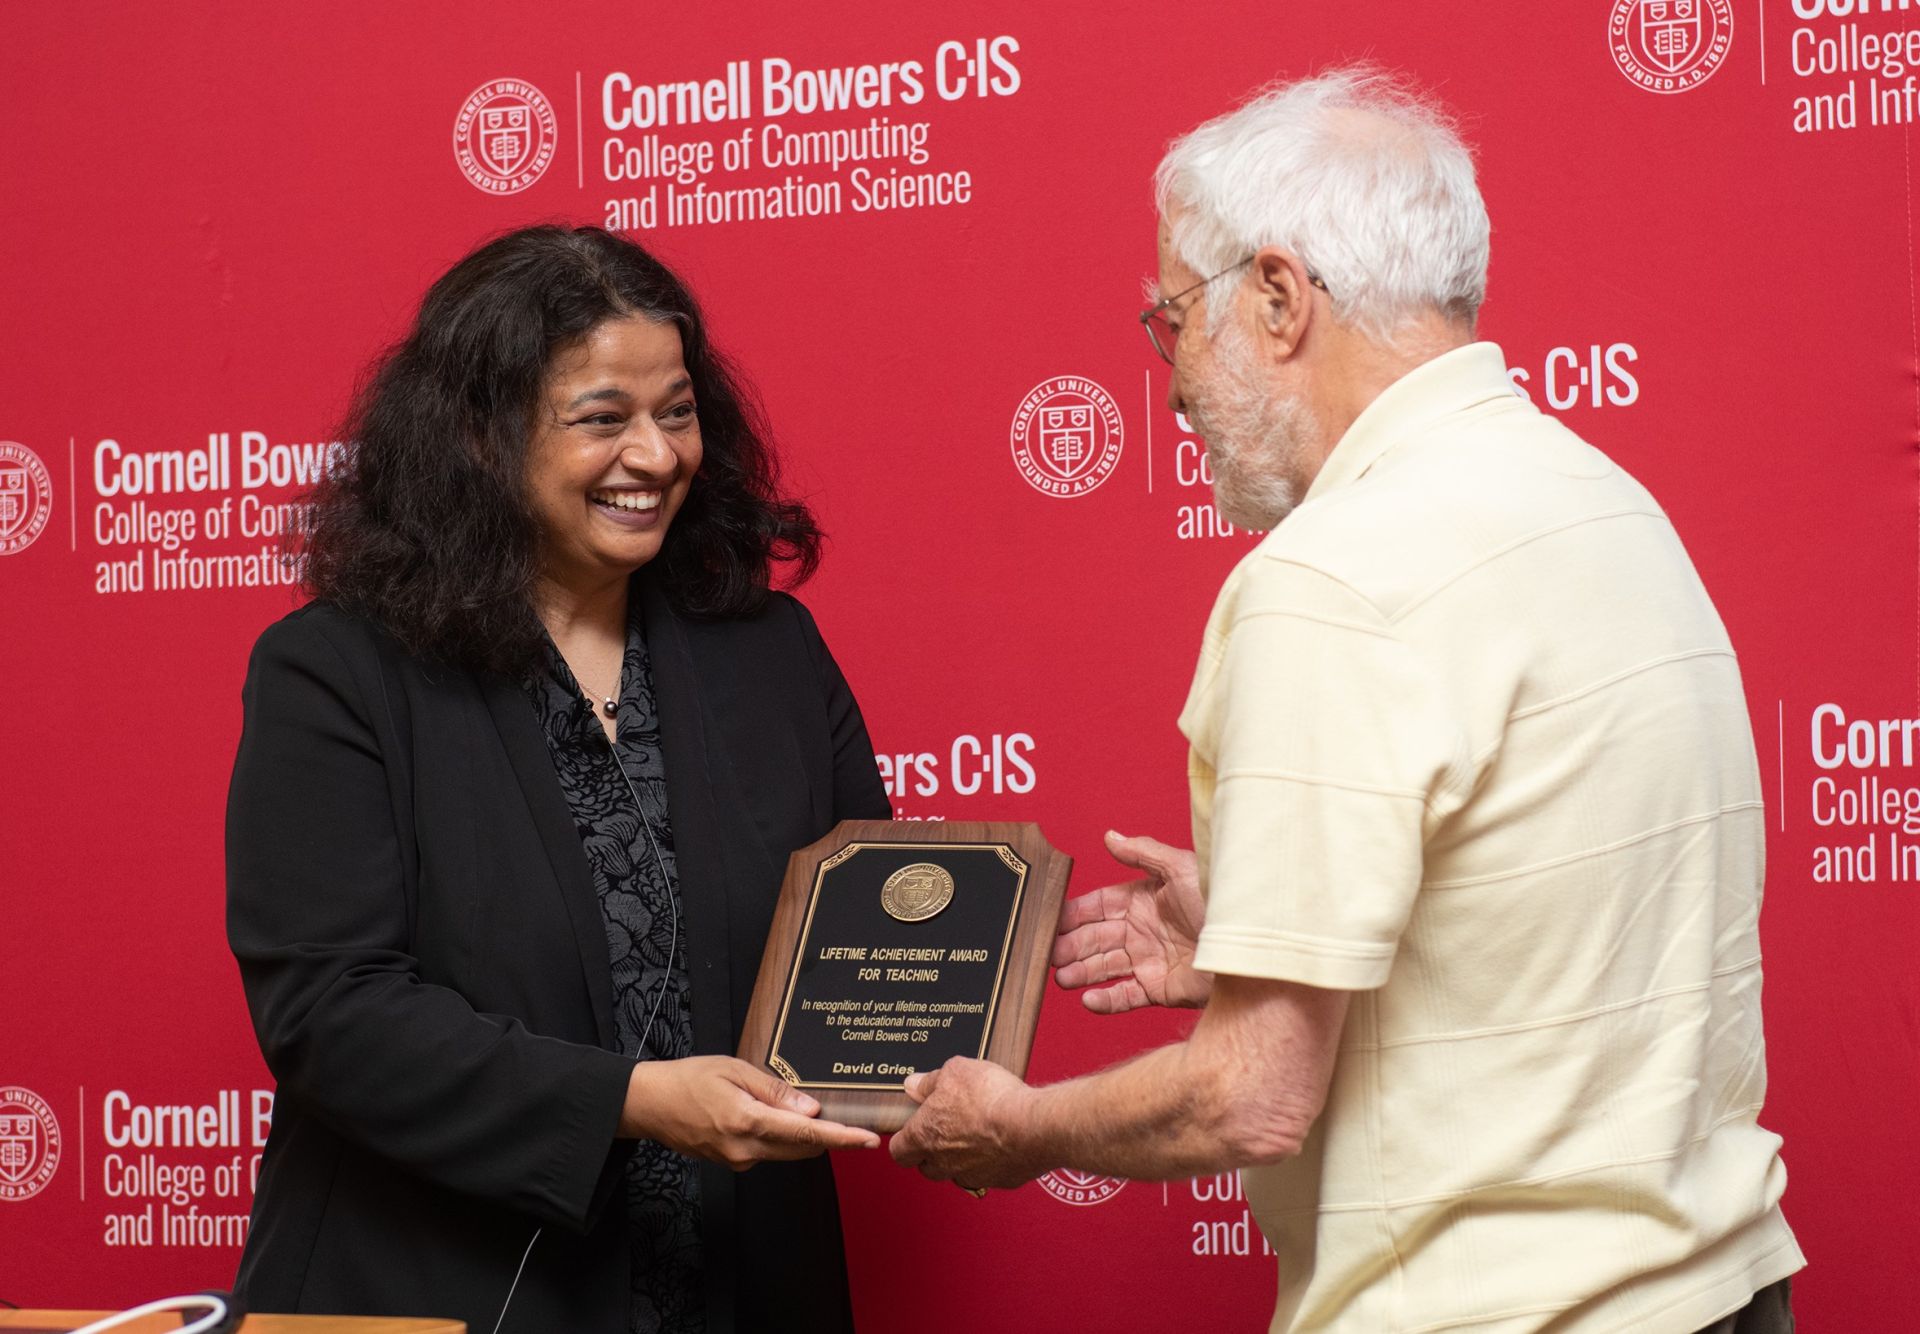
(726, 1111)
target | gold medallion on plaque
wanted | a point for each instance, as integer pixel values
(915, 893)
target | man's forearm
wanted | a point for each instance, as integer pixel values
(1243, 1089)
(1180, 1110)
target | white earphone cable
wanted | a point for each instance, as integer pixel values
(515, 1285)
(215, 1308)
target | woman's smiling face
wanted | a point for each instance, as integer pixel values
(614, 450)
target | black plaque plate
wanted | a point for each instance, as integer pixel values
(872, 998)
(897, 946)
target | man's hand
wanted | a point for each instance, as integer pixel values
(1143, 933)
(972, 1127)
(729, 1112)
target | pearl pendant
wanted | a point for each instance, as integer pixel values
(609, 707)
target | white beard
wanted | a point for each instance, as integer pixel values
(1254, 438)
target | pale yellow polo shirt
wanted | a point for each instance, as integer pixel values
(1468, 739)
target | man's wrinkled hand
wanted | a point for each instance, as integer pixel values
(1133, 944)
(974, 1127)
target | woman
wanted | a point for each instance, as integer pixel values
(509, 816)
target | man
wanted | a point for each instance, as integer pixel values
(1472, 911)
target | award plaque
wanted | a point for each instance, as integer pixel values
(897, 945)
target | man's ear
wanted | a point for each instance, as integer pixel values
(1284, 298)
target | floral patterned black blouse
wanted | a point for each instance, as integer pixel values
(618, 794)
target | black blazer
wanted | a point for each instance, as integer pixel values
(424, 959)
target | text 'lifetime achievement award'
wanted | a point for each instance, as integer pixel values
(897, 945)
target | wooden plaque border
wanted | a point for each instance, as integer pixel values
(1023, 970)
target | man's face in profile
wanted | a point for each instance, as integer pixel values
(1190, 351)
(1253, 431)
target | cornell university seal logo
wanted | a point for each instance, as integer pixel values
(1067, 436)
(504, 136)
(29, 1143)
(26, 497)
(1669, 46)
(915, 893)
(1081, 1187)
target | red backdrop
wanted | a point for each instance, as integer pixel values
(214, 215)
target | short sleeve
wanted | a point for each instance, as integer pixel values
(1331, 747)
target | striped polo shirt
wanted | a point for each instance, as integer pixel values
(1469, 740)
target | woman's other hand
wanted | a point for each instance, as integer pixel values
(727, 1112)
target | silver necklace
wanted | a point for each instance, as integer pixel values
(609, 704)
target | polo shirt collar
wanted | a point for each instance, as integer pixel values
(1452, 382)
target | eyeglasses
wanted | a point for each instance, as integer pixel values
(1164, 337)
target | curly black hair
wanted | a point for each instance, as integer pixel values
(425, 526)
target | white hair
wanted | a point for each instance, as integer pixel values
(1363, 178)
